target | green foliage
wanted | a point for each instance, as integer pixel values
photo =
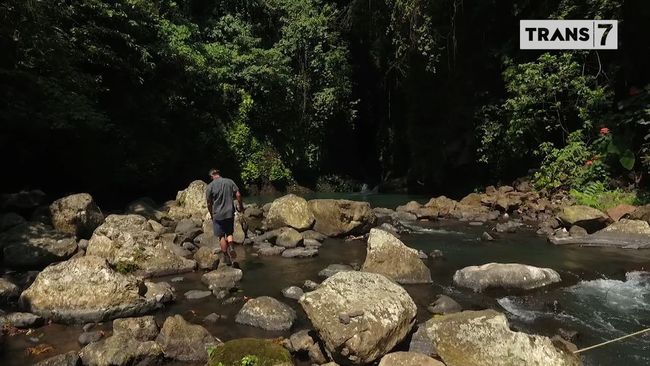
(597, 195)
(126, 267)
(250, 360)
(336, 183)
(572, 166)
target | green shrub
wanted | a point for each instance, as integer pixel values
(125, 267)
(336, 183)
(597, 195)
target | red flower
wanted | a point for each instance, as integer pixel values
(589, 162)
(604, 131)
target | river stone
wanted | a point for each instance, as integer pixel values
(127, 241)
(421, 343)
(35, 244)
(313, 235)
(310, 285)
(65, 359)
(626, 226)
(207, 258)
(161, 292)
(311, 243)
(388, 256)
(9, 220)
(584, 216)
(8, 290)
(300, 252)
(183, 341)
(271, 250)
(22, 320)
(85, 289)
(483, 338)
(197, 294)
(333, 269)
(190, 202)
(268, 352)
(76, 214)
(90, 337)
(120, 350)
(266, 313)
(288, 238)
(618, 212)
(292, 292)
(576, 231)
(505, 275)
(444, 305)
(342, 217)
(289, 210)
(641, 213)
(142, 328)
(388, 315)
(223, 278)
(408, 359)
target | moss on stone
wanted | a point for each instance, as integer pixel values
(268, 353)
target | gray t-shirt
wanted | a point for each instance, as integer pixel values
(222, 192)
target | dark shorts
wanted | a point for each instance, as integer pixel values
(223, 227)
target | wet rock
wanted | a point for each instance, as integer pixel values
(9, 220)
(120, 350)
(626, 226)
(271, 250)
(160, 292)
(85, 289)
(190, 202)
(444, 305)
(388, 256)
(567, 334)
(342, 217)
(288, 238)
(577, 231)
(8, 290)
(65, 359)
(625, 233)
(311, 243)
(421, 343)
(76, 214)
(333, 269)
(486, 236)
(368, 337)
(35, 244)
(290, 210)
(483, 338)
(408, 358)
(231, 352)
(310, 285)
(584, 216)
(189, 247)
(618, 212)
(422, 255)
(22, 320)
(505, 275)
(223, 278)
(240, 229)
(183, 341)
(141, 328)
(187, 230)
(266, 313)
(207, 258)
(292, 292)
(508, 227)
(197, 294)
(313, 235)
(212, 318)
(90, 337)
(300, 253)
(127, 241)
(436, 253)
(300, 341)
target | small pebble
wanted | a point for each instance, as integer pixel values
(212, 318)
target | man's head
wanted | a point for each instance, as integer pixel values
(214, 173)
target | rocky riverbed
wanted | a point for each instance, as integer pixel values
(321, 280)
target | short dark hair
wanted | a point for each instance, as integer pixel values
(214, 171)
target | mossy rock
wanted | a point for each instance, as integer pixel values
(268, 353)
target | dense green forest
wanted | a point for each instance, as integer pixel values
(138, 97)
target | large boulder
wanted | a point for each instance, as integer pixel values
(505, 275)
(445, 206)
(143, 328)
(267, 352)
(129, 243)
(583, 216)
(626, 226)
(8, 290)
(223, 278)
(183, 341)
(266, 313)
(618, 212)
(408, 359)
(35, 244)
(65, 359)
(342, 217)
(483, 338)
(288, 238)
(76, 214)
(86, 289)
(290, 210)
(190, 202)
(121, 350)
(388, 314)
(625, 233)
(387, 255)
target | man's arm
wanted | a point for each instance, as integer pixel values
(239, 201)
(209, 200)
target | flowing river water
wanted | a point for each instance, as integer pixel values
(604, 293)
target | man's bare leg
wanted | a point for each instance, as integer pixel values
(231, 248)
(224, 249)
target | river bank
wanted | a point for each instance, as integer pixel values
(582, 272)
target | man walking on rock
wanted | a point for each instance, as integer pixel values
(220, 195)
